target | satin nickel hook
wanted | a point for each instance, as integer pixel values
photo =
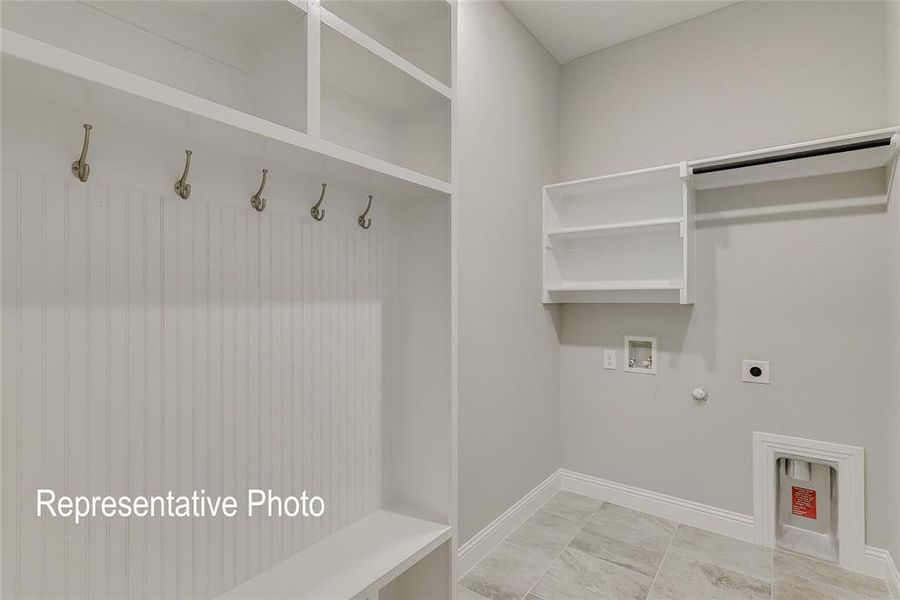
(182, 187)
(80, 168)
(256, 200)
(363, 222)
(319, 213)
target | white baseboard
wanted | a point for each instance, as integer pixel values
(878, 562)
(481, 544)
(707, 517)
(893, 576)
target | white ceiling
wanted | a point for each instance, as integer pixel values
(572, 28)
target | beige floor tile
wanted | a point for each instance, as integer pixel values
(631, 556)
(574, 507)
(576, 575)
(737, 555)
(630, 528)
(507, 573)
(684, 578)
(545, 533)
(464, 593)
(794, 574)
(634, 519)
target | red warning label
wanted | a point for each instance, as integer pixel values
(803, 502)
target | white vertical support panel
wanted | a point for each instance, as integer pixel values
(10, 500)
(243, 385)
(687, 234)
(135, 402)
(152, 397)
(215, 344)
(98, 400)
(76, 377)
(117, 348)
(200, 402)
(266, 371)
(29, 545)
(228, 244)
(187, 363)
(54, 401)
(254, 409)
(313, 69)
(169, 383)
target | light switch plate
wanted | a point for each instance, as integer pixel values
(755, 371)
(609, 359)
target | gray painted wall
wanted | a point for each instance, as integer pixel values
(508, 348)
(807, 292)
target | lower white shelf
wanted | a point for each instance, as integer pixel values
(614, 286)
(371, 552)
(633, 227)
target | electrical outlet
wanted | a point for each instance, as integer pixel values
(609, 359)
(755, 371)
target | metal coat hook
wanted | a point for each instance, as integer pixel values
(182, 187)
(256, 200)
(362, 220)
(319, 213)
(80, 168)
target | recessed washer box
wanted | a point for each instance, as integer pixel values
(640, 354)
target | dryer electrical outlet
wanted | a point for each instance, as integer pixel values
(755, 371)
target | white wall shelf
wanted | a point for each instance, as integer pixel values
(368, 554)
(625, 285)
(877, 149)
(620, 238)
(628, 237)
(649, 225)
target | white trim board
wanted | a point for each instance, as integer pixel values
(482, 543)
(876, 562)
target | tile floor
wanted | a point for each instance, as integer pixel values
(578, 548)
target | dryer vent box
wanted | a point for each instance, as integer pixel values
(807, 507)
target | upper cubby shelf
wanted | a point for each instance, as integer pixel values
(373, 106)
(250, 56)
(842, 154)
(233, 74)
(414, 35)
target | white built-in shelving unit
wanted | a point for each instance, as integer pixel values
(358, 95)
(620, 238)
(629, 237)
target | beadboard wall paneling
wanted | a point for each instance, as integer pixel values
(152, 343)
